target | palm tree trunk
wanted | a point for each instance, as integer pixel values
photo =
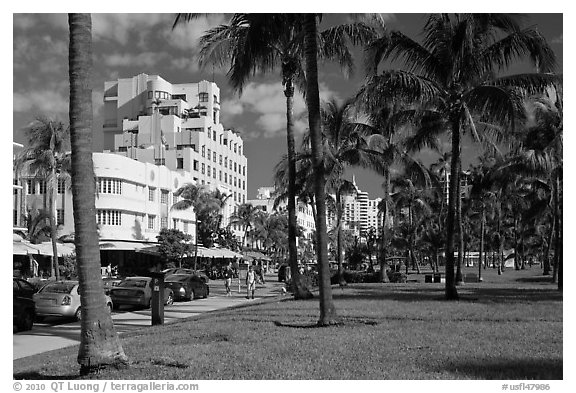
(450, 288)
(53, 224)
(298, 287)
(99, 343)
(459, 278)
(558, 232)
(546, 256)
(339, 245)
(327, 309)
(384, 244)
(481, 253)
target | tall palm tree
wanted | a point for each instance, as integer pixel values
(456, 72)
(220, 198)
(99, 343)
(46, 156)
(327, 308)
(262, 43)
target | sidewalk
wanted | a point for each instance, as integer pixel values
(47, 338)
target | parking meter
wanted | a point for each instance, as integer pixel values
(157, 303)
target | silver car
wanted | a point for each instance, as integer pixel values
(61, 299)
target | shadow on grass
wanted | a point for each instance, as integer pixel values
(539, 369)
(542, 279)
(39, 376)
(467, 294)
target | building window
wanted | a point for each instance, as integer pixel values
(220, 175)
(151, 220)
(214, 156)
(195, 165)
(203, 168)
(234, 181)
(203, 97)
(60, 217)
(164, 197)
(160, 161)
(42, 187)
(30, 187)
(225, 178)
(185, 226)
(214, 173)
(61, 186)
(109, 217)
(175, 199)
(220, 159)
(179, 163)
(151, 192)
(209, 133)
(226, 162)
(244, 170)
(214, 112)
(150, 95)
(203, 151)
(235, 167)
(209, 170)
(243, 184)
(163, 222)
(234, 196)
(214, 134)
(175, 223)
(209, 154)
(240, 150)
(235, 148)
(109, 186)
(225, 141)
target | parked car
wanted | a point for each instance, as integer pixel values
(110, 282)
(137, 291)
(187, 286)
(61, 299)
(182, 270)
(23, 310)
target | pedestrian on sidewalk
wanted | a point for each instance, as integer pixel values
(228, 279)
(250, 282)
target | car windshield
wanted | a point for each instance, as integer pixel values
(176, 277)
(133, 283)
(58, 287)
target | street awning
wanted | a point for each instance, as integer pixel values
(256, 255)
(45, 248)
(23, 248)
(217, 253)
(118, 245)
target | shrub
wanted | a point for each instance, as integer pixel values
(397, 277)
(356, 277)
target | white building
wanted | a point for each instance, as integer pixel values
(177, 125)
(361, 213)
(304, 216)
(133, 200)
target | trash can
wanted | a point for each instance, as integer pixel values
(428, 278)
(437, 277)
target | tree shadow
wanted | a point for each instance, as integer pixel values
(542, 279)
(36, 375)
(506, 369)
(466, 294)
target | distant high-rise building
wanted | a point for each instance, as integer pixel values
(360, 212)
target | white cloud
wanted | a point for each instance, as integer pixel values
(41, 101)
(186, 35)
(268, 103)
(189, 64)
(118, 27)
(143, 59)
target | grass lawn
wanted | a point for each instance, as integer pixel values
(507, 327)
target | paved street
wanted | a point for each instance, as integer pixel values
(53, 334)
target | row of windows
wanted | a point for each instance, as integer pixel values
(109, 186)
(109, 217)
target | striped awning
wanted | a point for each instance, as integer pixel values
(118, 245)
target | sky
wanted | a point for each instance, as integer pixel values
(125, 45)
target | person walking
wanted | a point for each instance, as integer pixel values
(250, 282)
(228, 279)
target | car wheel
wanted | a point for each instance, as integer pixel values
(78, 314)
(110, 308)
(206, 292)
(38, 318)
(192, 295)
(170, 299)
(26, 322)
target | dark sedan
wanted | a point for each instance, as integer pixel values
(137, 291)
(187, 286)
(23, 309)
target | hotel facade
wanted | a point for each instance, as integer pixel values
(157, 137)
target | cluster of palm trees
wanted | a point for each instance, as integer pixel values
(453, 83)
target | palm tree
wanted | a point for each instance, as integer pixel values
(262, 43)
(99, 343)
(200, 199)
(245, 216)
(220, 198)
(327, 309)
(46, 157)
(455, 73)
